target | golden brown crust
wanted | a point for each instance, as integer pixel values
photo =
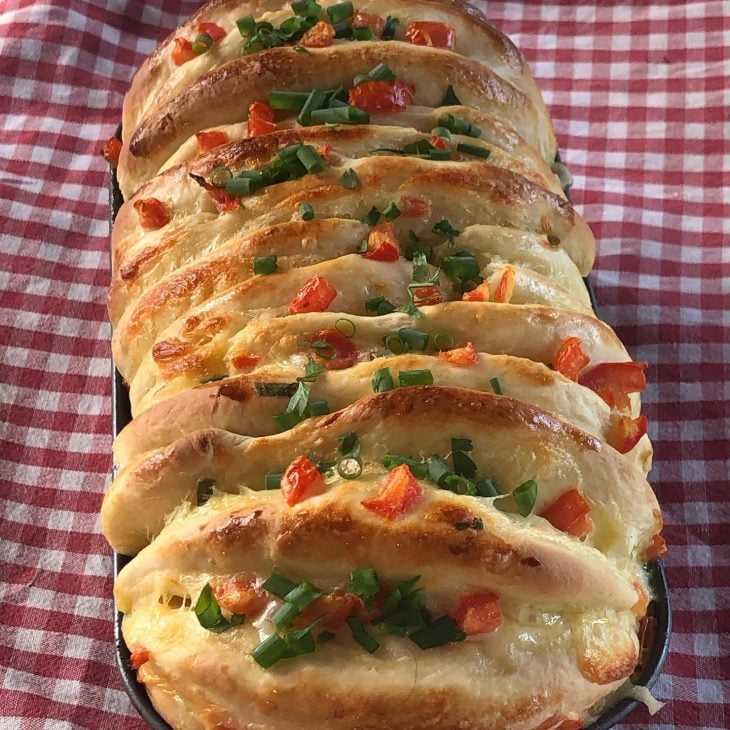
(216, 355)
(250, 78)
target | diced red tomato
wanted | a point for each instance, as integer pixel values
(626, 432)
(342, 352)
(382, 244)
(111, 150)
(139, 656)
(208, 141)
(153, 213)
(657, 548)
(214, 31)
(425, 296)
(568, 513)
(480, 294)
(301, 480)
(239, 594)
(399, 493)
(325, 152)
(430, 33)
(613, 381)
(479, 613)
(320, 35)
(570, 359)
(368, 20)
(463, 357)
(315, 296)
(414, 206)
(506, 286)
(391, 96)
(244, 362)
(260, 119)
(334, 608)
(183, 51)
(439, 142)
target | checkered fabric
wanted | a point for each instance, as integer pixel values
(639, 93)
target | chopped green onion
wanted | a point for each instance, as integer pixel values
(394, 343)
(300, 49)
(457, 125)
(349, 444)
(364, 583)
(343, 30)
(279, 585)
(450, 98)
(442, 631)
(290, 100)
(346, 114)
(285, 421)
(219, 176)
(306, 212)
(241, 186)
(204, 490)
(202, 44)
(315, 100)
(464, 466)
(461, 266)
(345, 326)
(284, 616)
(209, 615)
(350, 467)
(415, 377)
(471, 149)
(340, 12)
(444, 228)
(272, 480)
(391, 24)
(441, 132)
(270, 651)
(363, 34)
(379, 305)
(361, 636)
(414, 339)
(371, 218)
(487, 488)
(295, 602)
(362, 246)
(246, 25)
(496, 387)
(310, 158)
(381, 73)
(349, 179)
(443, 341)
(391, 212)
(525, 497)
(382, 380)
(419, 469)
(306, 8)
(317, 408)
(459, 485)
(438, 469)
(265, 264)
(212, 378)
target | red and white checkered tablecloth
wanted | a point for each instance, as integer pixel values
(639, 93)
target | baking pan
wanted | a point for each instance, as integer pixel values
(654, 652)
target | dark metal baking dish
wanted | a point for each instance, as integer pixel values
(654, 655)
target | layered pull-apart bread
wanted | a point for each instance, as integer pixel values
(386, 468)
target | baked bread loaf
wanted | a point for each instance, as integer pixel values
(386, 468)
